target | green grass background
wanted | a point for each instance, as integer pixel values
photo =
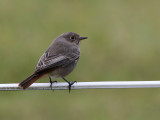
(123, 44)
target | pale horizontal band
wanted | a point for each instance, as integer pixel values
(85, 85)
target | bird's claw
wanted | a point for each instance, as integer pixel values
(70, 85)
(51, 82)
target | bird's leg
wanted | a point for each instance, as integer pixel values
(70, 83)
(50, 80)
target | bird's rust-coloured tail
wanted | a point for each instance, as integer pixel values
(31, 79)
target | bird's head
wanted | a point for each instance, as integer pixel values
(73, 37)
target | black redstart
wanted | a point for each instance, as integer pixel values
(58, 61)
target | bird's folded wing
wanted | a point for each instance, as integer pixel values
(48, 62)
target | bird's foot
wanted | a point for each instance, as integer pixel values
(51, 82)
(70, 85)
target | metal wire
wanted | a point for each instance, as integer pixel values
(85, 85)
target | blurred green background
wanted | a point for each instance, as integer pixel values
(123, 45)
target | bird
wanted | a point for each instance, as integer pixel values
(58, 61)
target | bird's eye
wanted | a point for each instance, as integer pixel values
(72, 38)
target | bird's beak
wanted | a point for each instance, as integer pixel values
(82, 38)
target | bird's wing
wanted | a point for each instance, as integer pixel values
(47, 62)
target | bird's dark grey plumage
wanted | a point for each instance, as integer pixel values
(59, 60)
